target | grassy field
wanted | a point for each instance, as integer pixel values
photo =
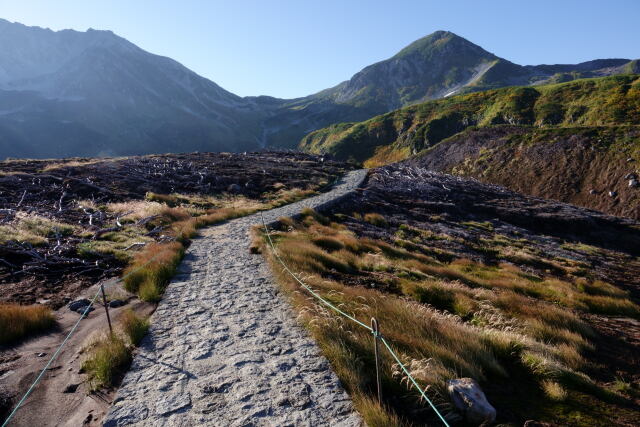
(517, 319)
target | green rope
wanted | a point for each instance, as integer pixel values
(325, 302)
(37, 380)
(39, 377)
(376, 334)
(424, 395)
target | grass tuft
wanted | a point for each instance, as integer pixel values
(376, 219)
(109, 357)
(554, 390)
(18, 321)
(152, 268)
(134, 327)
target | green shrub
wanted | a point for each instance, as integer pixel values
(134, 327)
(109, 357)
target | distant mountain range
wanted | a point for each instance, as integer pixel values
(70, 93)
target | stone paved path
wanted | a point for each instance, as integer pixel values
(224, 348)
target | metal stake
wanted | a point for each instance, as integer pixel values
(376, 334)
(106, 308)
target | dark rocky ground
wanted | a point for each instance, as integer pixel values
(56, 190)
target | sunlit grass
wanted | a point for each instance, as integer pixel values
(21, 321)
(446, 318)
(109, 354)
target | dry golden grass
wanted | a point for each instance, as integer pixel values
(152, 268)
(72, 163)
(108, 357)
(136, 209)
(33, 229)
(554, 390)
(133, 326)
(376, 219)
(19, 321)
(466, 318)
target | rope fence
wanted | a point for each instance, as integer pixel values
(73, 329)
(374, 330)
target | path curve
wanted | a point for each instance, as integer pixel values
(224, 348)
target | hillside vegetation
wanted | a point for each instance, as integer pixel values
(609, 101)
(582, 132)
(526, 296)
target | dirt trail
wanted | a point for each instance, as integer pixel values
(49, 404)
(224, 347)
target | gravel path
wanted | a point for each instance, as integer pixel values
(224, 348)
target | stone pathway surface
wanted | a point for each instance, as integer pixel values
(224, 348)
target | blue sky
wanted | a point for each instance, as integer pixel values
(289, 48)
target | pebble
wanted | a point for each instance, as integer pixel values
(225, 349)
(79, 304)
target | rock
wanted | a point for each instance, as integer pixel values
(85, 309)
(630, 176)
(71, 388)
(79, 303)
(234, 188)
(633, 183)
(41, 354)
(629, 159)
(173, 403)
(593, 192)
(124, 415)
(116, 303)
(613, 193)
(469, 399)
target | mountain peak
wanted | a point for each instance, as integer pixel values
(438, 41)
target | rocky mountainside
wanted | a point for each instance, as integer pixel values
(70, 93)
(439, 65)
(575, 141)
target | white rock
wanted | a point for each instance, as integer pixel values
(469, 399)
(633, 183)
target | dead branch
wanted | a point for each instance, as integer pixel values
(134, 245)
(22, 198)
(146, 220)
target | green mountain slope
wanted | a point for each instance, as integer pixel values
(573, 142)
(399, 134)
(439, 65)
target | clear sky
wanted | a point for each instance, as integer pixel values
(291, 48)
